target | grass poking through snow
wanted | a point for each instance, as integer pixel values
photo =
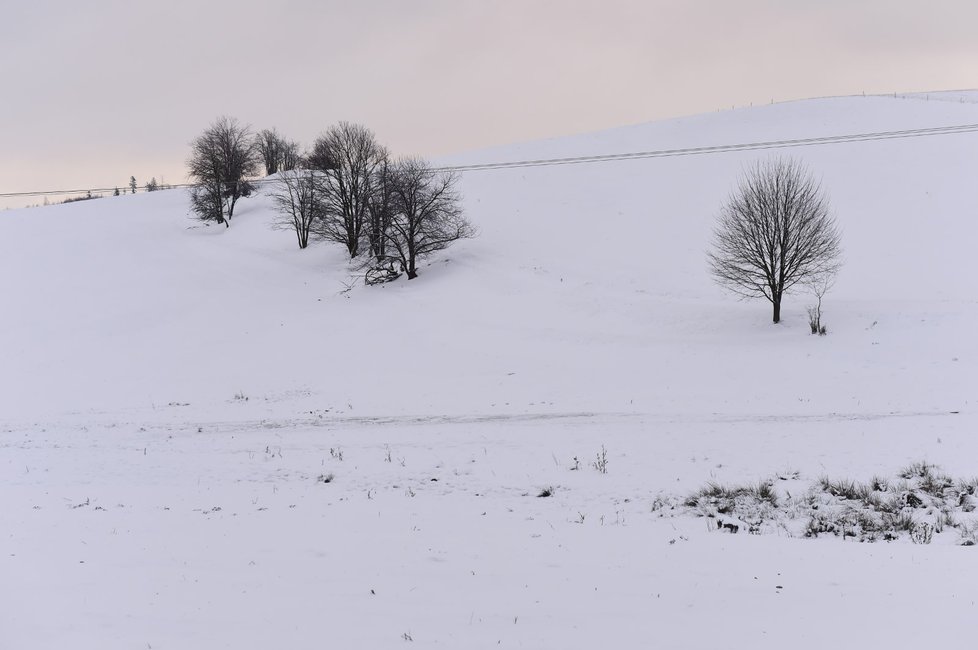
(921, 503)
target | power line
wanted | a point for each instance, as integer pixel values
(747, 146)
(92, 189)
(633, 155)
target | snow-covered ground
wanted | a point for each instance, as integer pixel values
(174, 398)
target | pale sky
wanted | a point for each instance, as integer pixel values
(96, 91)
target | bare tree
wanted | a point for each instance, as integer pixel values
(819, 285)
(296, 196)
(380, 208)
(221, 160)
(272, 147)
(774, 232)
(426, 213)
(291, 156)
(347, 157)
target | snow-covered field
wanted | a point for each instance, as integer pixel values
(208, 441)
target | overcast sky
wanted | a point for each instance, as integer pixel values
(96, 91)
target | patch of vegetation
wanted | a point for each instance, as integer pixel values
(601, 461)
(922, 503)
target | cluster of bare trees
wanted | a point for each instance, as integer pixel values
(776, 232)
(225, 157)
(277, 153)
(347, 189)
(351, 192)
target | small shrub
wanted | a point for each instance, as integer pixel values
(815, 321)
(969, 486)
(879, 484)
(601, 461)
(881, 502)
(325, 478)
(899, 521)
(920, 469)
(934, 484)
(845, 489)
(912, 500)
(921, 533)
(764, 492)
(968, 534)
(726, 525)
(660, 503)
(752, 501)
(944, 520)
(818, 524)
(546, 492)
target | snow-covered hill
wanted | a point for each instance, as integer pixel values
(583, 315)
(587, 289)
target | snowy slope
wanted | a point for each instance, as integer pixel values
(581, 316)
(587, 289)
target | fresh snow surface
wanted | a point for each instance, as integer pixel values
(174, 396)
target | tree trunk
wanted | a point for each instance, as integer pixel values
(777, 309)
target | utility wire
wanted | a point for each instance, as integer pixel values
(167, 186)
(748, 146)
(634, 155)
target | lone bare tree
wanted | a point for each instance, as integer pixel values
(774, 232)
(347, 157)
(221, 160)
(296, 196)
(426, 214)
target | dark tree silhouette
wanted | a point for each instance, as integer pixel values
(347, 157)
(221, 160)
(426, 214)
(297, 199)
(271, 146)
(291, 156)
(380, 209)
(774, 232)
